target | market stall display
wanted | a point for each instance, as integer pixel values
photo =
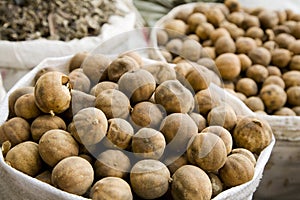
(147, 113)
(263, 43)
(74, 136)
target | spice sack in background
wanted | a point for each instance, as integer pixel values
(31, 31)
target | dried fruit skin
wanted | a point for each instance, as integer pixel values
(293, 95)
(273, 96)
(14, 96)
(237, 170)
(295, 63)
(233, 5)
(44, 123)
(147, 114)
(284, 40)
(229, 65)
(191, 182)
(257, 72)
(175, 27)
(260, 55)
(148, 143)
(268, 18)
(225, 44)
(178, 129)
(216, 183)
(15, 130)
(174, 46)
(247, 86)
(273, 79)
(199, 120)
(217, 33)
(255, 103)
(208, 151)
(111, 188)
(205, 101)
(138, 85)
(56, 145)
(42, 72)
(52, 92)
(149, 179)
(194, 20)
(112, 163)
(252, 134)
(79, 81)
(119, 66)
(160, 71)
(45, 176)
(281, 57)
(132, 54)
(97, 89)
(162, 37)
(113, 103)
(73, 174)
(26, 108)
(285, 111)
(119, 133)
(95, 67)
(191, 50)
(291, 78)
(174, 162)
(222, 115)
(25, 158)
(245, 45)
(246, 153)
(77, 60)
(199, 77)
(174, 97)
(89, 126)
(223, 133)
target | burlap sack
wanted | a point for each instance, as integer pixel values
(16, 185)
(280, 180)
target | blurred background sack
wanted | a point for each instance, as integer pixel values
(68, 27)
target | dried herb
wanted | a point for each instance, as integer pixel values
(63, 20)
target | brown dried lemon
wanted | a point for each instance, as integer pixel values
(52, 92)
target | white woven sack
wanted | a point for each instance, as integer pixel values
(293, 5)
(17, 185)
(2, 90)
